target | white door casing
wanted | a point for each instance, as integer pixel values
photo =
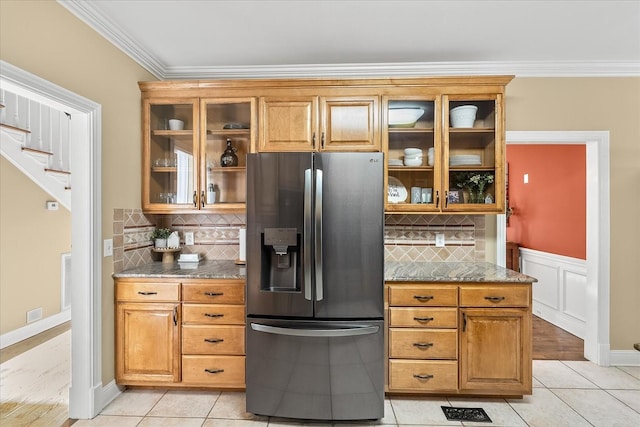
(596, 340)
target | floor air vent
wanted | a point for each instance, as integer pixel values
(466, 414)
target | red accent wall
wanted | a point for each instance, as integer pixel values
(550, 212)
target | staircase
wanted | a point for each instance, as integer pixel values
(35, 137)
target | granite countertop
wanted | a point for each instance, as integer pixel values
(211, 269)
(454, 272)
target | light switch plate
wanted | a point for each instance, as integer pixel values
(439, 240)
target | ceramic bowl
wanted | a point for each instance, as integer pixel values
(175, 124)
(463, 116)
(404, 117)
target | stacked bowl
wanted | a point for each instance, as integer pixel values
(412, 157)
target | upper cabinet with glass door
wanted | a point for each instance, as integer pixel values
(473, 154)
(412, 141)
(228, 137)
(170, 150)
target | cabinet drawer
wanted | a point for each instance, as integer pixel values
(423, 317)
(423, 343)
(423, 375)
(200, 339)
(147, 291)
(212, 314)
(495, 296)
(423, 295)
(215, 371)
(231, 292)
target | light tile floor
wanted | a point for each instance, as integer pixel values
(565, 394)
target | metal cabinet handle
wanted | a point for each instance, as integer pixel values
(214, 294)
(423, 319)
(202, 198)
(423, 377)
(464, 322)
(494, 299)
(322, 139)
(213, 371)
(147, 293)
(175, 316)
(313, 140)
(446, 199)
(195, 199)
(423, 298)
(213, 340)
(423, 344)
(214, 315)
(437, 198)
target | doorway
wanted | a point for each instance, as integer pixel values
(86, 224)
(596, 340)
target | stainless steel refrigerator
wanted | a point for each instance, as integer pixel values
(315, 346)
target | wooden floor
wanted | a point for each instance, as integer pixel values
(553, 343)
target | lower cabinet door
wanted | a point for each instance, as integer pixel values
(423, 375)
(147, 343)
(214, 371)
(495, 350)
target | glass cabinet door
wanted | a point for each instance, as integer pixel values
(473, 154)
(170, 156)
(413, 161)
(228, 136)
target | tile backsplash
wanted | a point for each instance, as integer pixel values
(406, 237)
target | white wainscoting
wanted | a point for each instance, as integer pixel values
(560, 295)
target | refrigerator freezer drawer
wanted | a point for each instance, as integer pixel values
(315, 370)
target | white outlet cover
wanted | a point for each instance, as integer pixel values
(188, 238)
(107, 249)
(439, 240)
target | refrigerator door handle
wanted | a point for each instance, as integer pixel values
(307, 234)
(327, 332)
(318, 236)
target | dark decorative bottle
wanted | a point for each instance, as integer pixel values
(229, 157)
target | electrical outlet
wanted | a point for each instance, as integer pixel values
(107, 248)
(439, 240)
(52, 206)
(188, 238)
(35, 314)
(526, 178)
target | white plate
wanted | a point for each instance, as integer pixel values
(396, 192)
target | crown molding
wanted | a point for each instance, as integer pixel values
(114, 34)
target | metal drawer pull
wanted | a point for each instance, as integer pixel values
(213, 314)
(423, 377)
(214, 294)
(147, 293)
(423, 298)
(213, 371)
(423, 319)
(494, 299)
(213, 340)
(423, 344)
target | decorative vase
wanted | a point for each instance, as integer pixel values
(161, 243)
(476, 195)
(229, 157)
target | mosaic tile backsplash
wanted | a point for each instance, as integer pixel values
(407, 237)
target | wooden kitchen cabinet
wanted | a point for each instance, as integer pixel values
(147, 333)
(213, 344)
(180, 334)
(181, 169)
(495, 339)
(319, 123)
(470, 339)
(458, 152)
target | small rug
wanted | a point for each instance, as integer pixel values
(466, 414)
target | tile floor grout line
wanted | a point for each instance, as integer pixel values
(616, 397)
(569, 405)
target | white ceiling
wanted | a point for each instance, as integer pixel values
(268, 38)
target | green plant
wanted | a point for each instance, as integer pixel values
(160, 233)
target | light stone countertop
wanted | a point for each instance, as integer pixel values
(207, 269)
(455, 272)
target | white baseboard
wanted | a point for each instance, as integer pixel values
(109, 393)
(624, 358)
(34, 328)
